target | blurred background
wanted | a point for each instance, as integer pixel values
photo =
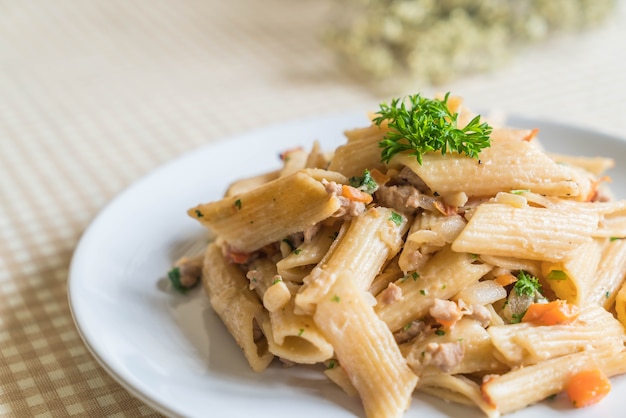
(95, 94)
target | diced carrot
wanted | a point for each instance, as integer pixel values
(587, 387)
(379, 177)
(505, 279)
(446, 323)
(553, 313)
(533, 133)
(354, 194)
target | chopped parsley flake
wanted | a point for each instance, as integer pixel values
(440, 332)
(278, 279)
(199, 214)
(238, 204)
(300, 332)
(396, 218)
(174, 276)
(557, 275)
(331, 364)
(422, 292)
(364, 183)
(297, 251)
(520, 191)
(336, 299)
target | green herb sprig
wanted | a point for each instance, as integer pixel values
(422, 125)
(526, 284)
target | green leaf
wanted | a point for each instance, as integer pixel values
(426, 125)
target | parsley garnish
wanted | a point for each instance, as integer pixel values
(440, 332)
(396, 218)
(364, 183)
(336, 299)
(238, 204)
(300, 332)
(174, 276)
(526, 284)
(297, 251)
(520, 191)
(426, 125)
(199, 214)
(557, 275)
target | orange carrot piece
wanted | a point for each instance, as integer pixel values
(379, 177)
(533, 133)
(505, 279)
(354, 194)
(587, 387)
(554, 313)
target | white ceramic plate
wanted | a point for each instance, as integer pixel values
(171, 350)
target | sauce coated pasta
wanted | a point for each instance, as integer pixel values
(466, 265)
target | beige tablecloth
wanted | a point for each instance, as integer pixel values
(94, 94)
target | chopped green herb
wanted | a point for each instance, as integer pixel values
(415, 275)
(199, 214)
(238, 204)
(408, 326)
(277, 279)
(607, 294)
(424, 125)
(297, 251)
(557, 275)
(517, 318)
(174, 276)
(440, 332)
(443, 287)
(520, 191)
(331, 364)
(300, 332)
(364, 183)
(396, 218)
(422, 292)
(616, 238)
(526, 284)
(336, 299)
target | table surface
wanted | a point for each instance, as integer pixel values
(93, 95)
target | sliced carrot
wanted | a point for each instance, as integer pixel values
(587, 387)
(533, 133)
(505, 279)
(379, 177)
(354, 194)
(553, 313)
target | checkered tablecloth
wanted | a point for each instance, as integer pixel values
(94, 94)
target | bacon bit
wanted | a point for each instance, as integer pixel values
(587, 387)
(445, 312)
(238, 258)
(379, 177)
(557, 312)
(285, 154)
(445, 209)
(531, 135)
(505, 279)
(355, 195)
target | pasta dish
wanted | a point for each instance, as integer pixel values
(433, 251)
